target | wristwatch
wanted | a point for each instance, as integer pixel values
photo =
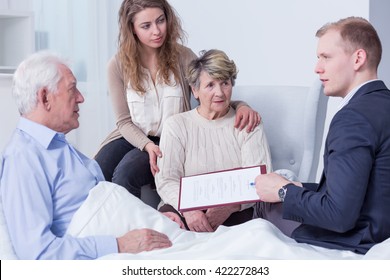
(282, 192)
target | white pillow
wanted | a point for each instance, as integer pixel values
(111, 210)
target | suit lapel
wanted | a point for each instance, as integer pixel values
(370, 87)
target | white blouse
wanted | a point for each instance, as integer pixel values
(159, 102)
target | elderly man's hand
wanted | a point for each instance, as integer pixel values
(140, 240)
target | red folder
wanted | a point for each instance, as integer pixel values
(219, 188)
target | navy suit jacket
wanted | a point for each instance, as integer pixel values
(350, 207)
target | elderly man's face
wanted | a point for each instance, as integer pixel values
(64, 109)
(214, 96)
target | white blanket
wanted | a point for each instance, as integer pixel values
(110, 209)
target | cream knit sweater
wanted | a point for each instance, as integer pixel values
(191, 145)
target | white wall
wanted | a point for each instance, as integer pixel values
(379, 17)
(8, 111)
(272, 42)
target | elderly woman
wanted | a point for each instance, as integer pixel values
(205, 140)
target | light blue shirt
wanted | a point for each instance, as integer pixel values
(44, 181)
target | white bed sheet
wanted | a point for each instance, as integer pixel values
(110, 209)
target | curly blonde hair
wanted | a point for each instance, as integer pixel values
(130, 46)
(214, 62)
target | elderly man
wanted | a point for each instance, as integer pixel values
(45, 180)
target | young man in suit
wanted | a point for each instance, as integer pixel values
(349, 208)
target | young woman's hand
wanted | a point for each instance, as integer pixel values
(154, 152)
(246, 117)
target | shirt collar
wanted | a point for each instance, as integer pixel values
(42, 134)
(351, 94)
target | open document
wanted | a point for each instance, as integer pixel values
(233, 186)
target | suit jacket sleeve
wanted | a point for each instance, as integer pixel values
(348, 160)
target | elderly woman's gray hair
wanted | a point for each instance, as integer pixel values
(38, 71)
(215, 63)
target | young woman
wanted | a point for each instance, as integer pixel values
(147, 85)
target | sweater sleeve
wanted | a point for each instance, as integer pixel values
(255, 149)
(117, 89)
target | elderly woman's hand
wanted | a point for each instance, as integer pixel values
(197, 221)
(246, 117)
(218, 215)
(175, 218)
